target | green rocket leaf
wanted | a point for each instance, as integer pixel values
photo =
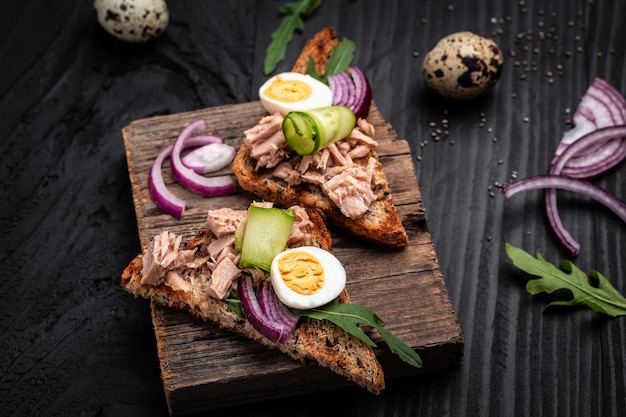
(295, 12)
(349, 316)
(603, 298)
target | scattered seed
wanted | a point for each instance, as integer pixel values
(525, 119)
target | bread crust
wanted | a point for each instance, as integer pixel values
(313, 341)
(380, 224)
(319, 48)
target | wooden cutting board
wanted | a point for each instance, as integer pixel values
(205, 368)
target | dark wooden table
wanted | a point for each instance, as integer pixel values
(72, 342)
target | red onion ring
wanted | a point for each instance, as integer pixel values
(273, 308)
(601, 106)
(159, 192)
(206, 186)
(594, 146)
(569, 184)
(273, 329)
(352, 90)
(363, 93)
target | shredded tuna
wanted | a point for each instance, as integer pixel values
(266, 127)
(217, 246)
(301, 226)
(269, 147)
(224, 221)
(304, 164)
(338, 157)
(164, 254)
(222, 278)
(351, 190)
(359, 151)
(176, 282)
(321, 159)
(366, 127)
(313, 177)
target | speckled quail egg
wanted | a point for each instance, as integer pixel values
(292, 91)
(463, 65)
(307, 277)
(133, 20)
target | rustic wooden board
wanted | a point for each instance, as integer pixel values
(206, 368)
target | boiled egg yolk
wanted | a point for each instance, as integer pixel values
(307, 277)
(292, 91)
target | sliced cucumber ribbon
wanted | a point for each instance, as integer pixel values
(308, 132)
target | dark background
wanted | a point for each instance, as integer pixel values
(72, 342)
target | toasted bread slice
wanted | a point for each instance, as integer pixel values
(313, 341)
(380, 224)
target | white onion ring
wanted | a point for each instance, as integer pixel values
(209, 158)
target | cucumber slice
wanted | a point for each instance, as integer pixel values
(299, 131)
(311, 131)
(266, 234)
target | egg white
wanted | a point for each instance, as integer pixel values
(321, 95)
(334, 282)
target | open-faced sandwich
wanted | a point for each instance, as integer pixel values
(268, 274)
(316, 148)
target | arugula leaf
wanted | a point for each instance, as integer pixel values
(338, 60)
(603, 299)
(348, 316)
(234, 304)
(295, 12)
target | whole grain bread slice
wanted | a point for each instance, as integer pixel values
(312, 342)
(380, 224)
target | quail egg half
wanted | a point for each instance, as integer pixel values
(463, 65)
(307, 277)
(292, 91)
(132, 20)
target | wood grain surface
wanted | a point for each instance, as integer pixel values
(204, 368)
